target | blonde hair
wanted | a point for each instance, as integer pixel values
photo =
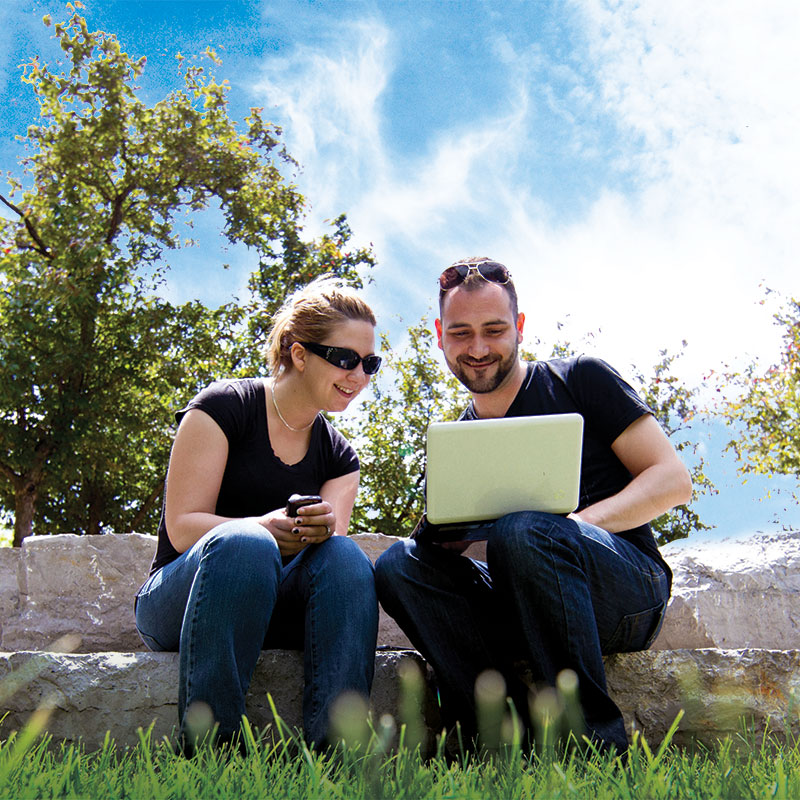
(309, 315)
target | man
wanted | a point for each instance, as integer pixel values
(557, 592)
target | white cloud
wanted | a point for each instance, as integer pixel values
(701, 98)
(329, 99)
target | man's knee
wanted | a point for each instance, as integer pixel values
(391, 567)
(524, 535)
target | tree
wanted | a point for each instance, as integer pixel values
(390, 432)
(766, 412)
(674, 406)
(94, 361)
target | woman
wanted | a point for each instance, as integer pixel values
(233, 573)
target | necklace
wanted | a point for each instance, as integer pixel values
(280, 416)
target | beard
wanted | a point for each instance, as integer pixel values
(491, 377)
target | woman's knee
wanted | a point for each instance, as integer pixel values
(342, 555)
(243, 547)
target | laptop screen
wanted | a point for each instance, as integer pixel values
(482, 469)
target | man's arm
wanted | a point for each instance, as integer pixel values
(660, 480)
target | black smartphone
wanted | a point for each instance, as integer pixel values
(298, 501)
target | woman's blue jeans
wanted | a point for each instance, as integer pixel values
(230, 596)
(554, 593)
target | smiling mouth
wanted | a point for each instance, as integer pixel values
(478, 364)
(343, 390)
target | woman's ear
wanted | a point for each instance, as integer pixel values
(298, 354)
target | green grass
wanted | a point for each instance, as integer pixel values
(34, 767)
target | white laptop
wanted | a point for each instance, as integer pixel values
(482, 469)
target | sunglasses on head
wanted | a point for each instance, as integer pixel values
(344, 358)
(491, 271)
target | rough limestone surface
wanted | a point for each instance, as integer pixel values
(89, 694)
(9, 583)
(718, 691)
(85, 585)
(81, 585)
(734, 593)
(389, 633)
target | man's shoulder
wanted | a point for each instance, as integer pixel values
(568, 369)
(567, 364)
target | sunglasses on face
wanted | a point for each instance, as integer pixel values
(344, 358)
(491, 271)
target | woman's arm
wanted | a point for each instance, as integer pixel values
(341, 494)
(196, 465)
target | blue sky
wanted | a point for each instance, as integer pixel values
(634, 163)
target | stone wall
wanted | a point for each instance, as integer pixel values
(85, 585)
(729, 648)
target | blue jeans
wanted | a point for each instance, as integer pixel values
(230, 595)
(554, 592)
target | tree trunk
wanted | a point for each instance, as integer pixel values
(26, 493)
(146, 506)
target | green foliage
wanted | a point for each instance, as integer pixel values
(390, 430)
(766, 413)
(95, 363)
(674, 407)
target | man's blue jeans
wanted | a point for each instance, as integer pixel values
(555, 593)
(230, 596)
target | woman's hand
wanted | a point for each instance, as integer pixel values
(313, 524)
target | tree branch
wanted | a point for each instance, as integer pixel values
(8, 473)
(40, 248)
(116, 215)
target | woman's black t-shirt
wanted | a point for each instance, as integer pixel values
(255, 480)
(595, 390)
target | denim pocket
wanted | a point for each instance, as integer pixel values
(636, 631)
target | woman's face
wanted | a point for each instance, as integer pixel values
(332, 386)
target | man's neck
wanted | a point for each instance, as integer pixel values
(497, 402)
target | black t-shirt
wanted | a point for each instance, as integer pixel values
(255, 480)
(608, 406)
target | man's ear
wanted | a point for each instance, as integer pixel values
(520, 326)
(298, 354)
(438, 324)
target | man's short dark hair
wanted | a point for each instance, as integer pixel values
(475, 281)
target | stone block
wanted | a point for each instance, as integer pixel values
(722, 692)
(65, 584)
(9, 584)
(734, 593)
(90, 694)
(389, 633)
(81, 585)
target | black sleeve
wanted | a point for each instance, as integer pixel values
(343, 459)
(608, 402)
(224, 402)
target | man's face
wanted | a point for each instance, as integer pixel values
(478, 336)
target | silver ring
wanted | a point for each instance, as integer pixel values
(327, 530)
